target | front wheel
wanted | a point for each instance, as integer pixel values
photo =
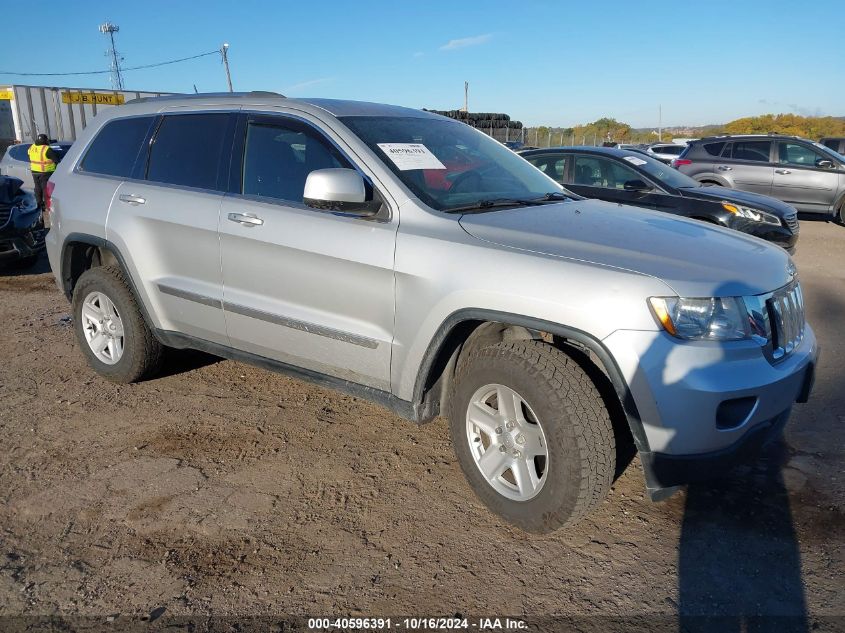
(532, 434)
(110, 329)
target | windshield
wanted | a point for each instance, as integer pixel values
(448, 164)
(662, 172)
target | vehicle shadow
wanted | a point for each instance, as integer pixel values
(180, 361)
(39, 268)
(739, 566)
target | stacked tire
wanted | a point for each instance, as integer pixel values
(497, 124)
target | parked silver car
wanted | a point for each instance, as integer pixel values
(407, 258)
(15, 162)
(665, 152)
(805, 174)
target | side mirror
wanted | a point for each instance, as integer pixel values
(340, 191)
(824, 163)
(637, 185)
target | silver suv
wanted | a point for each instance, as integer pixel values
(808, 175)
(407, 258)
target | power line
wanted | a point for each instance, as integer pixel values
(106, 72)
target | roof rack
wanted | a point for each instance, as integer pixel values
(206, 95)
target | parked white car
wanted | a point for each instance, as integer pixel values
(15, 161)
(665, 152)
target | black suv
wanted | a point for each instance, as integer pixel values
(803, 173)
(21, 228)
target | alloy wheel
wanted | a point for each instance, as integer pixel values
(507, 442)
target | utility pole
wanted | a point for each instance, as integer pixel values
(116, 78)
(660, 123)
(466, 96)
(224, 51)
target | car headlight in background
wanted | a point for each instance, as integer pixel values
(708, 319)
(755, 215)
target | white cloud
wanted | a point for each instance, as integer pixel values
(466, 41)
(307, 84)
(418, 54)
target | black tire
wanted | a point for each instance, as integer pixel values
(575, 422)
(712, 183)
(840, 217)
(142, 352)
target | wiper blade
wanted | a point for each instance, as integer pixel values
(484, 205)
(552, 196)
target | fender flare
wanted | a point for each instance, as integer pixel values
(589, 341)
(101, 242)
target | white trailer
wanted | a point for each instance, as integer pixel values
(60, 113)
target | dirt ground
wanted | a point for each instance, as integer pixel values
(223, 489)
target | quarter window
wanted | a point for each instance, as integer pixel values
(115, 148)
(714, 149)
(279, 157)
(188, 150)
(799, 155)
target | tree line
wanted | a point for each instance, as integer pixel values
(610, 130)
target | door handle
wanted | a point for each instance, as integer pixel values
(724, 168)
(782, 171)
(246, 219)
(132, 199)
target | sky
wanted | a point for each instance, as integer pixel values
(556, 63)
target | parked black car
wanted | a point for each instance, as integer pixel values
(21, 228)
(637, 179)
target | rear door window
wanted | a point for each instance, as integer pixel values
(602, 172)
(115, 148)
(756, 151)
(188, 150)
(20, 152)
(553, 166)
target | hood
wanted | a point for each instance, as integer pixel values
(736, 196)
(696, 259)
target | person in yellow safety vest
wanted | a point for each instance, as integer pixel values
(42, 162)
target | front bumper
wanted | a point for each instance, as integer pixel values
(22, 236)
(15, 247)
(707, 406)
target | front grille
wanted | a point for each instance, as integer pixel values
(5, 214)
(792, 222)
(786, 309)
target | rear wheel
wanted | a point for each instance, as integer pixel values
(711, 183)
(531, 434)
(110, 329)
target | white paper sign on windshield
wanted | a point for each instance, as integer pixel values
(411, 156)
(634, 160)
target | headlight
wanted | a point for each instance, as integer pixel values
(711, 319)
(755, 215)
